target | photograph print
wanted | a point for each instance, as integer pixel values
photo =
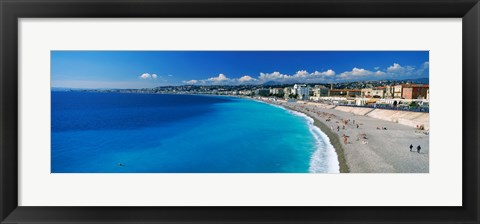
(240, 111)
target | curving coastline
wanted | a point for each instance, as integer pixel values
(334, 140)
(332, 137)
(365, 144)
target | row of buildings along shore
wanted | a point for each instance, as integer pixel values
(390, 94)
(404, 95)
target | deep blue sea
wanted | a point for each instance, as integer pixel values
(155, 133)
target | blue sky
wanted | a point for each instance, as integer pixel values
(144, 69)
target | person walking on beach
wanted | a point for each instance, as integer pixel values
(411, 147)
(338, 128)
(418, 148)
(357, 125)
(344, 139)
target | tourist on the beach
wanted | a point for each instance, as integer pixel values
(357, 125)
(418, 148)
(411, 147)
(378, 128)
(338, 128)
(343, 127)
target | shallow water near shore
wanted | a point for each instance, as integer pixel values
(153, 133)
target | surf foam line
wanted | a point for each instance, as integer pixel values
(324, 155)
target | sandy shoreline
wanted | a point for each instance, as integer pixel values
(368, 149)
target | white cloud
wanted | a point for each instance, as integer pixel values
(299, 76)
(397, 70)
(394, 71)
(246, 78)
(426, 65)
(145, 76)
(400, 70)
(356, 72)
(148, 76)
(394, 67)
(219, 78)
(359, 74)
(303, 76)
(191, 82)
(329, 72)
(272, 76)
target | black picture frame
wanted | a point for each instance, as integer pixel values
(12, 10)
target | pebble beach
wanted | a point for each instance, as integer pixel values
(368, 145)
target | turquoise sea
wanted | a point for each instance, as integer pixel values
(155, 133)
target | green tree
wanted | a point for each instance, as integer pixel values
(413, 104)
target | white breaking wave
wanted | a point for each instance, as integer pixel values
(324, 156)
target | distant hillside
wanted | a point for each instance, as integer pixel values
(419, 81)
(272, 83)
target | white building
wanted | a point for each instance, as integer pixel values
(287, 91)
(377, 92)
(389, 91)
(276, 91)
(302, 91)
(397, 91)
(318, 92)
